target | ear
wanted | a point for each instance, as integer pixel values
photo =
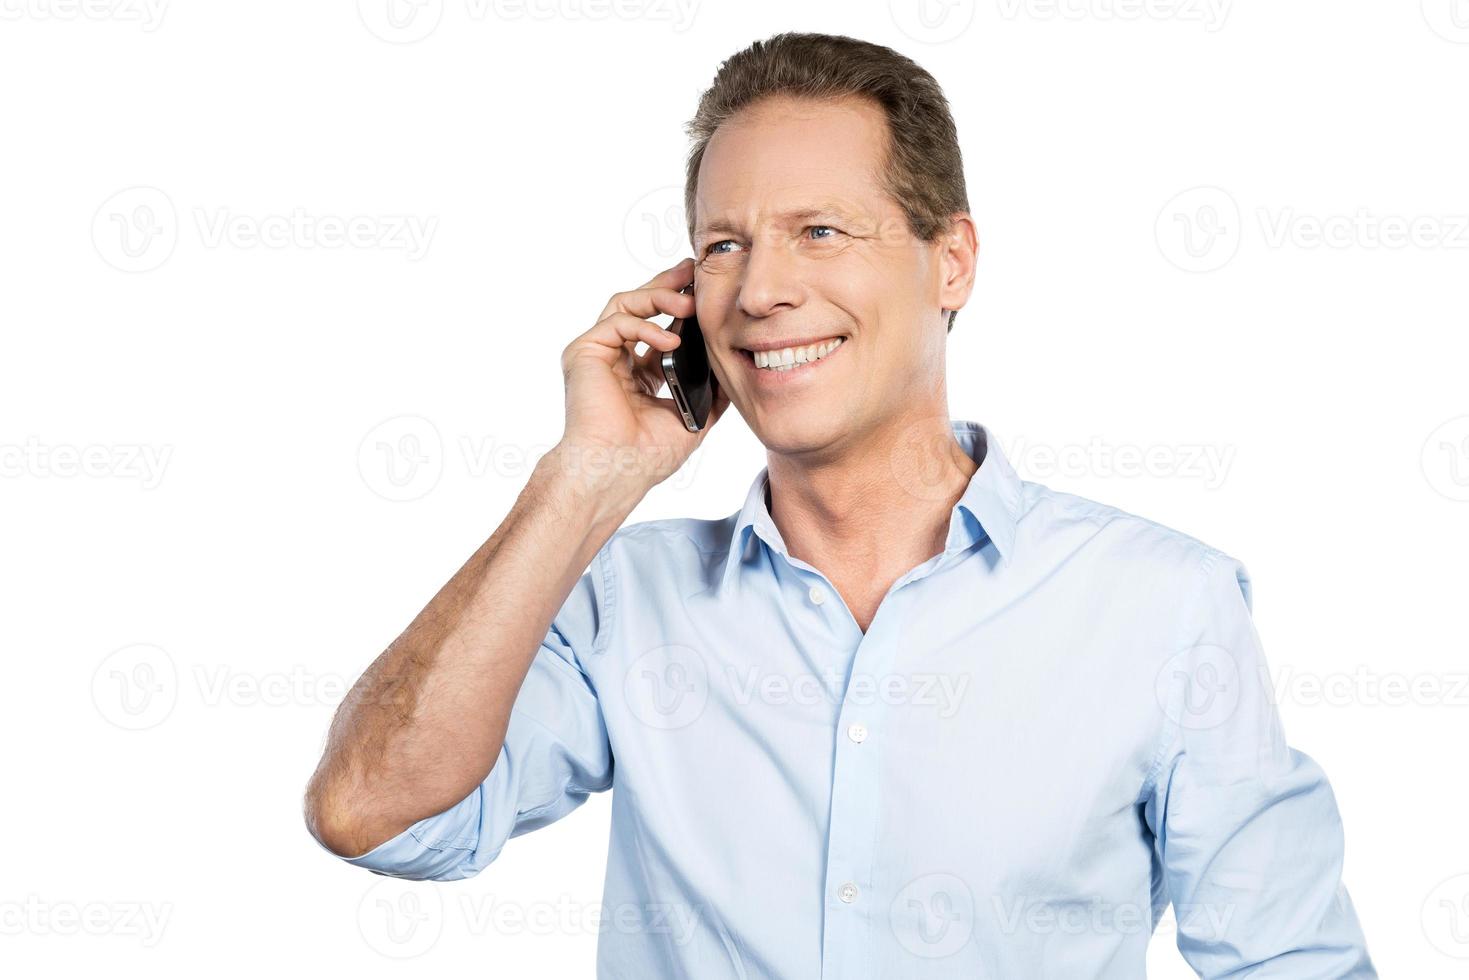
(958, 255)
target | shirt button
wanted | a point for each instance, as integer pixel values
(847, 893)
(857, 732)
(816, 594)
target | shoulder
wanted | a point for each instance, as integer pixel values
(679, 552)
(1062, 526)
(673, 536)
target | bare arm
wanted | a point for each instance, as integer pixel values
(424, 724)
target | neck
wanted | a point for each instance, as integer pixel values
(878, 507)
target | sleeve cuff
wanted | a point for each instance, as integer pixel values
(434, 847)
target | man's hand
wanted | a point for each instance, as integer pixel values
(618, 431)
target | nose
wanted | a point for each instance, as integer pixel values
(770, 282)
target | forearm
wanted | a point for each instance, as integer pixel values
(424, 724)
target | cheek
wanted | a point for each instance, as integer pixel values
(717, 269)
(902, 357)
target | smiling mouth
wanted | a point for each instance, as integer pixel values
(789, 358)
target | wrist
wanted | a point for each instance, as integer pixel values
(599, 484)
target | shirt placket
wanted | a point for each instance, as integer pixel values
(850, 910)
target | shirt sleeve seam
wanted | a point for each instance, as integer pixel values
(464, 843)
(1207, 561)
(586, 763)
(607, 604)
(468, 842)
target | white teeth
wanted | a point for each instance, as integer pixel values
(789, 357)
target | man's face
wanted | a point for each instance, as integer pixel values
(797, 244)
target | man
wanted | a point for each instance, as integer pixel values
(902, 715)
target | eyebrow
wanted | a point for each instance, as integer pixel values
(829, 210)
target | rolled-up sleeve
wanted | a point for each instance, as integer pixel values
(1246, 831)
(556, 753)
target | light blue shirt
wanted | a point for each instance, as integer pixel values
(1048, 732)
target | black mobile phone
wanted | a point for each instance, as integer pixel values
(686, 369)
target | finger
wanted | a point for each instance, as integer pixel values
(677, 276)
(651, 301)
(647, 368)
(611, 340)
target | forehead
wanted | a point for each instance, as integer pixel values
(784, 156)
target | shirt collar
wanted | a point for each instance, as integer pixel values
(989, 507)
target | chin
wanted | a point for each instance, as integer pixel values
(795, 430)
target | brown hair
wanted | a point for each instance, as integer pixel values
(922, 171)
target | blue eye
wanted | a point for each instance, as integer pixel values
(715, 249)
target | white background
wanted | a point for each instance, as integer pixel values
(208, 438)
